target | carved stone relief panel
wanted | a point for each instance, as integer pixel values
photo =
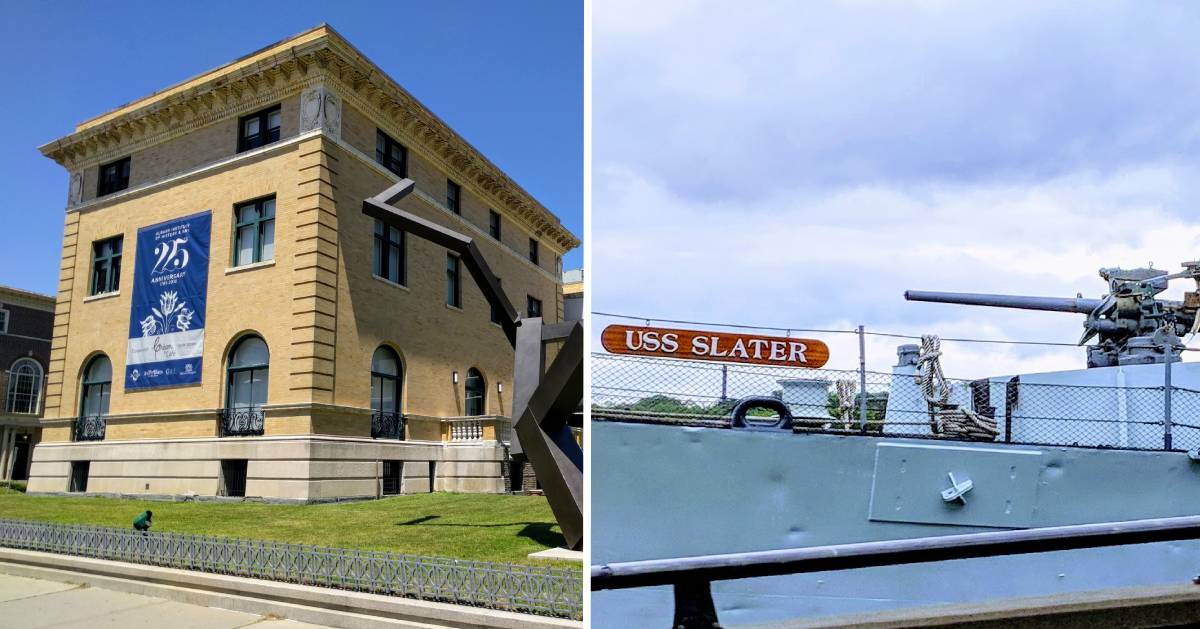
(321, 108)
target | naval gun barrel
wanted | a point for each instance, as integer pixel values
(1077, 305)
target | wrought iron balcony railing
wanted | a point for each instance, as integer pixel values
(242, 421)
(90, 428)
(385, 425)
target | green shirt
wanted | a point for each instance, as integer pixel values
(142, 519)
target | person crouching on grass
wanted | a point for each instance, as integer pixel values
(142, 522)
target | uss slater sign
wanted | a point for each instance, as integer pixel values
(719, 346)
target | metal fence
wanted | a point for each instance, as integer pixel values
(698, 393)
(545, 590)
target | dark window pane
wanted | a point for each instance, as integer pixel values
(259, 129)
(452, 197)
(106, 265)
(254, 233)
(390, 153)
(495, 310)
(453, 294)
(113, 177)
(377, 257)
(474, 392)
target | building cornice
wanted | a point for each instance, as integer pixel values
(267, 151)
(320, 55)
(26, 299)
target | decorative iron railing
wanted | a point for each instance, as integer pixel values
(386, 425)
(466, 429)
(90, 428)
(543, 590)
(242, 421)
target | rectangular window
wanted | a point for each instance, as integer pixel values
(389, 253)
(106, 265)
(393, 477)
(3, 321)
(495, 310)
(113, 177)
(258, 129)
(79, 476)
(254, 231)
(453, 290)
(233, 477)
(453, 194)
(391, 154)
(533, 250)
(534, 307)
(494, 224)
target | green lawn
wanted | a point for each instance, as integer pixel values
(468, 526)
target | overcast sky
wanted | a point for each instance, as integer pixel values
(803, 164)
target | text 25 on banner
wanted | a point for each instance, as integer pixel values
(717, 346)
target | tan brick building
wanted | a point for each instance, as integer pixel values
(324, 334)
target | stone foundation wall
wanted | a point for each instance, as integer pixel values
(307, 469)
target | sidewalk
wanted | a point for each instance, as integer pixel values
(34, 603)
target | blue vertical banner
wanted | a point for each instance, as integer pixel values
(170, 289)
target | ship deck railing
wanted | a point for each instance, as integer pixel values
(688, 393)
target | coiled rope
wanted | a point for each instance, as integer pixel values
(945, 418)
(845, 400)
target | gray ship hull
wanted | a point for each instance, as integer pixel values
(675, 491)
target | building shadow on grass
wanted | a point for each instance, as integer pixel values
(540, 532)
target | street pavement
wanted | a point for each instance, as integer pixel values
(34, 603)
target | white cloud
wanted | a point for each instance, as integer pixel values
(844, 257)
(740, 98)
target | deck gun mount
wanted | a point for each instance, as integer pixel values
(1131, 325)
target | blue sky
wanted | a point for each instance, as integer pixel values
(803, 164)
(507, 76)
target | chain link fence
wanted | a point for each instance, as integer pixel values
(699, 393)
(548, 590)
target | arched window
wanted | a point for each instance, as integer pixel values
(247, 384)
(97, 387)
(385, 380)
(24, 386)
(476, 392)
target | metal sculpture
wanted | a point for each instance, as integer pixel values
(545, 401)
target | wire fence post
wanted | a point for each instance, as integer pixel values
(724, 382)
(1167, 403)
(862, 379)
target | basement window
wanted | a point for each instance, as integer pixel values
(79, 476)
(233, 478)
(393, 477)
